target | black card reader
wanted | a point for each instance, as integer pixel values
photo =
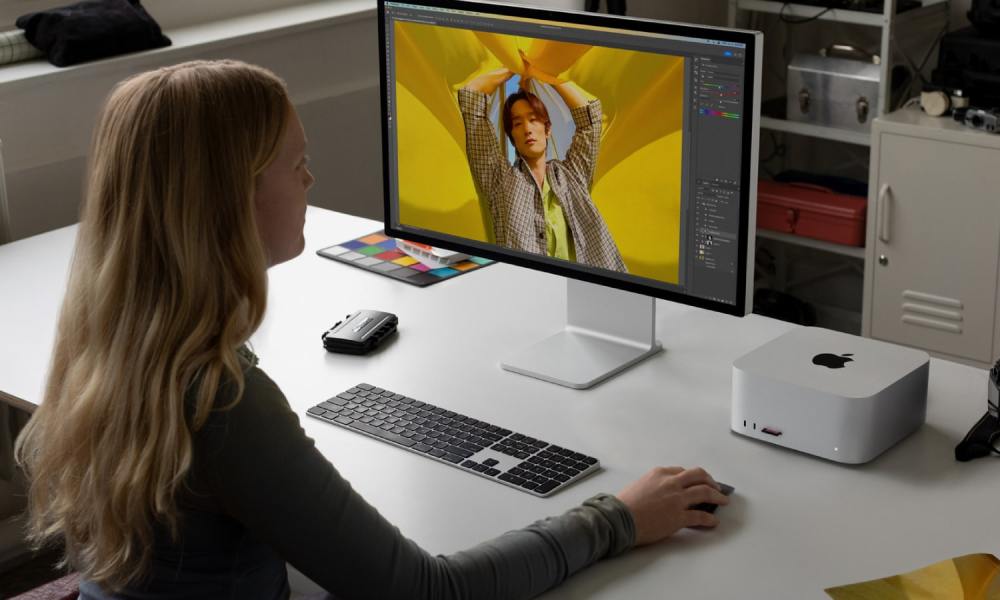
(360, 332)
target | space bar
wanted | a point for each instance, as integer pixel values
(385, 435)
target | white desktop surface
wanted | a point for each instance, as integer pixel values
(796, 525)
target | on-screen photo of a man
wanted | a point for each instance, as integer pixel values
(537, 204)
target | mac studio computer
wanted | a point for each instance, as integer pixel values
(650, 149)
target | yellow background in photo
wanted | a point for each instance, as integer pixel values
(638, 175)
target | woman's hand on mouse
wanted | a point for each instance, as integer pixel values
(660, 502)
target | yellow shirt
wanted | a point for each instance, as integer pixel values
(557, 233)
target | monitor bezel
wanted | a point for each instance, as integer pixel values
(492, 251)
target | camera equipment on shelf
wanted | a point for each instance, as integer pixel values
(984, 119)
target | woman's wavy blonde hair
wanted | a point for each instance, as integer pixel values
(167, 282)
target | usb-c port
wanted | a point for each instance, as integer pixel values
(771, 431)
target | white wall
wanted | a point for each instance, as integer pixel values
(332, 74)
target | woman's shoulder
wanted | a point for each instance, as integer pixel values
(259, 402)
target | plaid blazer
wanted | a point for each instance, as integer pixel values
(514, 198)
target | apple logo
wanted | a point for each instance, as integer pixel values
(832, 360)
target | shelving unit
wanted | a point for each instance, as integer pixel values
(816, 131)
(852, 251)
(856, 17)
(891, 26)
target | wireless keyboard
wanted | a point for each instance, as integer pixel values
(513, 459)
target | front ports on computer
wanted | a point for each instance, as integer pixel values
(769, 430)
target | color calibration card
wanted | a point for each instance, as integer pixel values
(377, 252)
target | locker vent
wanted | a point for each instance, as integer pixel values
(931, 311)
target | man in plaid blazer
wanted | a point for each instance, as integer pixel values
(538, 205)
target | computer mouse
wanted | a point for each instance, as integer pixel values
(708, 506)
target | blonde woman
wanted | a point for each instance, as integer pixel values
(165, 461)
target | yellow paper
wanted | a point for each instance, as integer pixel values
(969, 577)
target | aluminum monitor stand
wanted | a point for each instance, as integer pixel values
(607, 331)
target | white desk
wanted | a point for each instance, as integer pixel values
(796, 525)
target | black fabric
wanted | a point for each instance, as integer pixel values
(91, 30)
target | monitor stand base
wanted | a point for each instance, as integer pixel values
(607, 331)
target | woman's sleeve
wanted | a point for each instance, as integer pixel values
(269, 475)
(481, 147)
(581, 158)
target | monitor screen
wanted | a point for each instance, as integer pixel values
(613, 150)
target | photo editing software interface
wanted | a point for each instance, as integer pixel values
(641, 134)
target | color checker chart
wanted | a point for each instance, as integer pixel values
(377, 252)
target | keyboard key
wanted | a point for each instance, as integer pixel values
(436, 452)
(392, 437)
(561, 477)
(316, 410)
(469, 463)
(489, 462)
(471, 446)
(492, 472)
(365, 386)
(422, 447)
(459, 451)
(547, 487)
(529, 485)
(480, 468)
(448, 456)
(345, 420)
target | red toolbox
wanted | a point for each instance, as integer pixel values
(811, 211)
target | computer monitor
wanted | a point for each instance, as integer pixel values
(620, 153)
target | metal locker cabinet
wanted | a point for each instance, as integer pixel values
(933, 238)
